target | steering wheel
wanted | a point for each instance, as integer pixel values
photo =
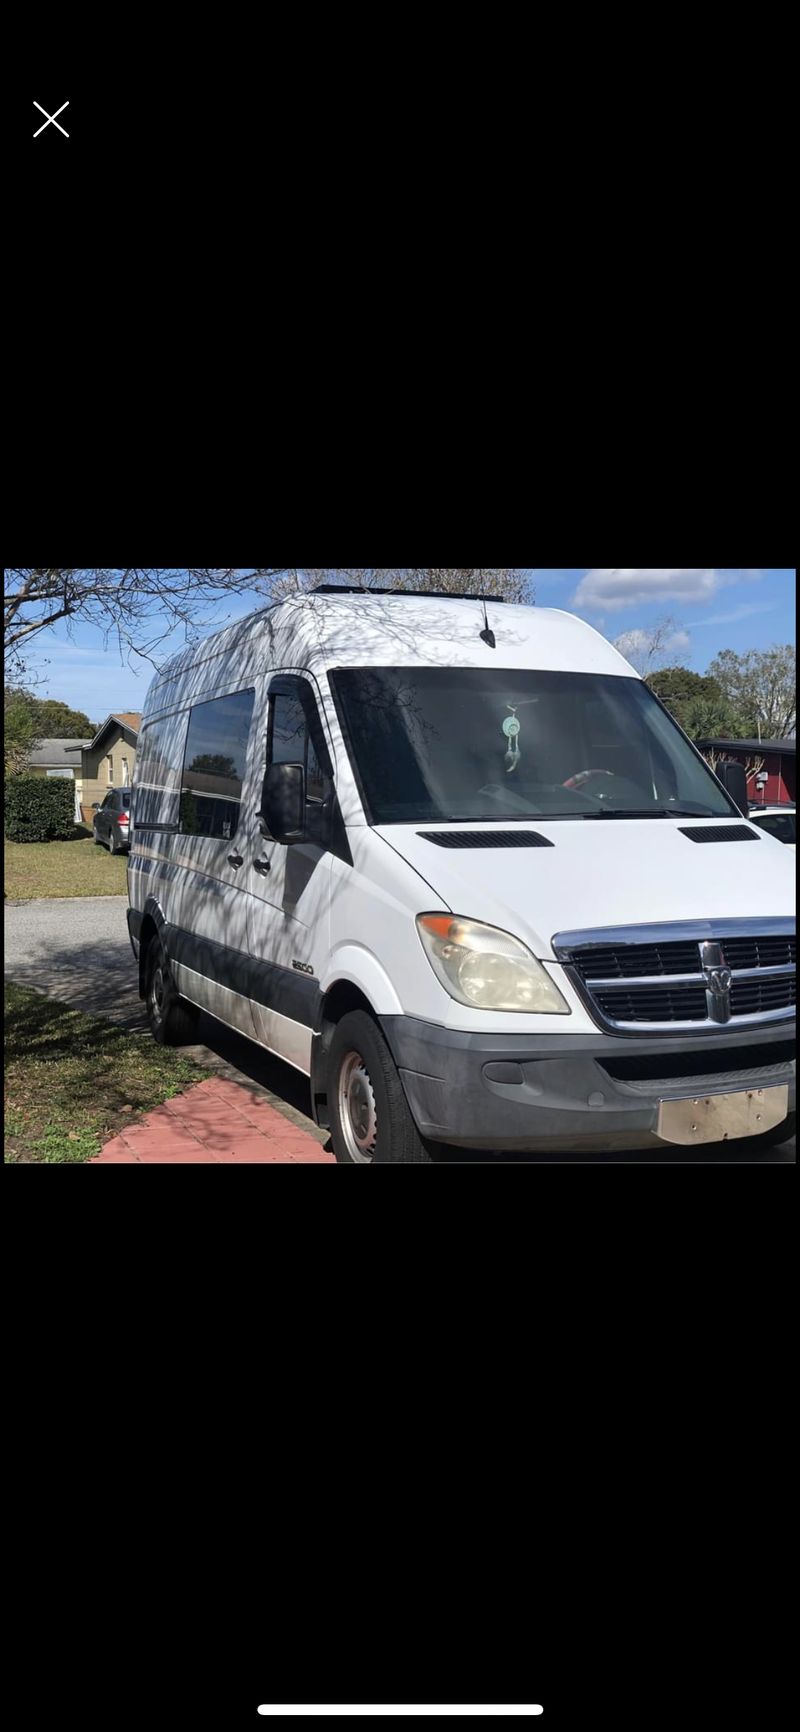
(582, 776)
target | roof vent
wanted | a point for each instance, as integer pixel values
(485, 838)
(721, 833)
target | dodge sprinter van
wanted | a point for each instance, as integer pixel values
(456, 863)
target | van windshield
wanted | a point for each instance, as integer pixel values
(470, 743)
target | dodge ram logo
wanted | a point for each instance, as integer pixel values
(718, 982)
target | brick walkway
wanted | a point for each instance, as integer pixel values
(216, 1121)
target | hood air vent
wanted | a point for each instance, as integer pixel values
(722, 833)
(485, 838)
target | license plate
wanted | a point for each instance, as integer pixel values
(718, 1118)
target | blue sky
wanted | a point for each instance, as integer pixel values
(713, 609)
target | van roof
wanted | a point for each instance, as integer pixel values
(335, 627)
(359, 589)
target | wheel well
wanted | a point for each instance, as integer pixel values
(342, 997)
(148, 930)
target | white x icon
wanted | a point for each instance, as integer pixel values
(51, 118)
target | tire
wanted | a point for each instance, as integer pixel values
(112, 843)
(172, 1020)
(370, 1118)
(96, 837)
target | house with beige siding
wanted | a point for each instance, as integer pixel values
(107, 761)
(93, 766)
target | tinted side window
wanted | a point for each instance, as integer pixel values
(158, 772)
(214, 765)
(291, 742)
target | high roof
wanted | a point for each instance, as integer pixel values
(341, 628)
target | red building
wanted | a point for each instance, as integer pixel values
(778, 765)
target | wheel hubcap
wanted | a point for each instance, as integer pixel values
(157, 993)
(358, 1115)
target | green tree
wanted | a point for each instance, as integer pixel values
(57, 721)
(20, 736)
(761, 688)
(695, 700)
(52, 719)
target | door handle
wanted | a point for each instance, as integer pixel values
(235, 860)
(261, 866)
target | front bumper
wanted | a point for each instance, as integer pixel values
(521, 1093)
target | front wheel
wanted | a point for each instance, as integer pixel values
(172, 1020)
(95, 835)
(370, 1117)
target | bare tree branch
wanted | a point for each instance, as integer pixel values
(121, 600)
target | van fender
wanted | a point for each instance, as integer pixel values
(349, 965)
(355, 963)
(154, 909)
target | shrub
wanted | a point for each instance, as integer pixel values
(39, 808)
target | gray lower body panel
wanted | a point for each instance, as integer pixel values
(134, 919)
(516, 1092)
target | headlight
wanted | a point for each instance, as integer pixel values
(481, 966)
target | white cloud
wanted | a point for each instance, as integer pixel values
(744, 611)
(618, 587)
(639, 642)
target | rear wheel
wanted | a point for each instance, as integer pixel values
(112, 846)
(370, 1118)
(172, 1020)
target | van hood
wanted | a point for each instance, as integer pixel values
(600, 872)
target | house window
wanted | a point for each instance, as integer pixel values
(125, 776)
(110, 763)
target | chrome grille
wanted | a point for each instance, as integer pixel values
(653, 1004)
(694, 974)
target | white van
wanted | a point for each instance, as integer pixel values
(457, 864)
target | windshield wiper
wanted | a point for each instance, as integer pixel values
(646, 812)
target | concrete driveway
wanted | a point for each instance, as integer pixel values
(77, 950)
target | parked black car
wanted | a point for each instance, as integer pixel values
(111, 821)
(778, 821)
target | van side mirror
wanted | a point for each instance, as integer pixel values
(283, 802)
(732, 776)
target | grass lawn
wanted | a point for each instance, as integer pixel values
(75, 868)
(73, 1081)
